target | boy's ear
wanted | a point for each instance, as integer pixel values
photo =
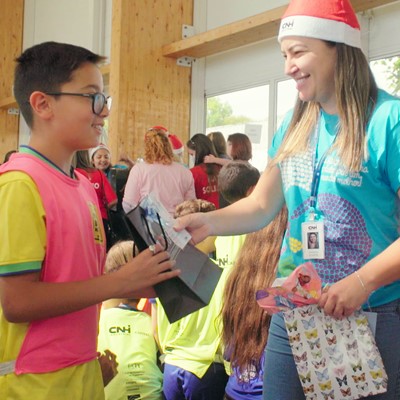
(41, 105)
(250, 190)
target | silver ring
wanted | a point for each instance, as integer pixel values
(152, 248)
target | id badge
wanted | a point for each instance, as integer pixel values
(313, 240)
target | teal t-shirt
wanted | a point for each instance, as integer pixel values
(359, 210)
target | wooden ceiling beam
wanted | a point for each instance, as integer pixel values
(245, 31)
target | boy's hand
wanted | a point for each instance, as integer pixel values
(196, 224)
(145, 270)
(108, 365)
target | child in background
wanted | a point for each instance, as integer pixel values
(170, 182)
(51, 270)
(238, 147)
(192, 355)
(245, 324)
(100, 157)
(207, 246)
(255, 257)
(128, 333)
(176, 143)
(191, 343)
(219, 142)
(236, 180)
(205, 175)
(105, 193)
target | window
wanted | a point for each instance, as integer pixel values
(387, 74)
(243, 111)
(285, 99)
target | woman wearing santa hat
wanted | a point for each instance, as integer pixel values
(336, 166)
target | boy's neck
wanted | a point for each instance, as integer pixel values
(59, 157)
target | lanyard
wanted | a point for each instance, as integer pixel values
(317, 167)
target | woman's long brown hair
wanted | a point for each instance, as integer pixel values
(356, 93)
(245, 324)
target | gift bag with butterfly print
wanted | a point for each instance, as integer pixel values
(335, 359)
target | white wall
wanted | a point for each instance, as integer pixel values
(80, 22)
(221, 12)
(84, 23)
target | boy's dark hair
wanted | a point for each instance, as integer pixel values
(45, 67)
(235, 179)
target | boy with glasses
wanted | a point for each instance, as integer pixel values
(53, 252)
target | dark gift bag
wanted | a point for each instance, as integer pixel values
(118, 226)
(199, 276)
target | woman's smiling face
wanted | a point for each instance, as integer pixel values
(311, 63)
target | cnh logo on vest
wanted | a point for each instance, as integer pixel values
(118, 330)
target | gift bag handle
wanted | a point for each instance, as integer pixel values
(149, 232)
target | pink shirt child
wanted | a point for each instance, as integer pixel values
(172, 184)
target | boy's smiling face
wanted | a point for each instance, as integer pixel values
(73, 121)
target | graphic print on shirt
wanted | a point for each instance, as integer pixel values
(97, 225)
(347, 243)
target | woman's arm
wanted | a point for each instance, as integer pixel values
(350, 293)
(210, 159)
(247, 215)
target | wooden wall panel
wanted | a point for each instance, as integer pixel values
(147, 88)
(11, 29)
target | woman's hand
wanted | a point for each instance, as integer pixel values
(344, 297)
(196, 224)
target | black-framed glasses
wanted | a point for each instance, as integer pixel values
(99, 100)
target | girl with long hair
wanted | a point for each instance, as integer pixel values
(205, 175)
(219, 142)
(245, 324)
(238, 148)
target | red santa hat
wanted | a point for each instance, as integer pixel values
(160, 128)
(176, 143)
(333, 20)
